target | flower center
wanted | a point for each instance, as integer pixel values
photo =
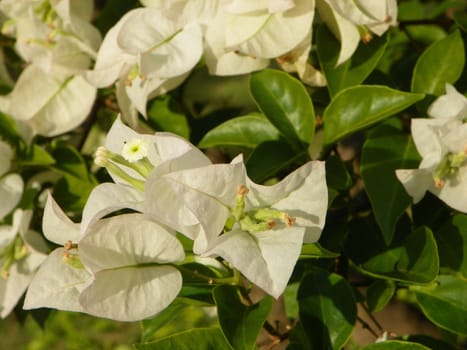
(13, 252)
(449, 166)
(257, 219)
(132, 165)
(71, 256)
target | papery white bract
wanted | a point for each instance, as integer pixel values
(345, 17)
(130, 257)
(165, 152)
(204, 202)
(21, 253)
(442, 142)
(61, 278)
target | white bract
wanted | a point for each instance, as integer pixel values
(351, 20)
(130, 257)
(50, 104)
(150, 52)
(442, 143)
(11, 185)
(61, 278)
(158, 153)
(259, 230)
(21, 253)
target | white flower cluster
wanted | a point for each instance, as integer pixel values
(58, 43)
(127, 266)
(152, 50)
(442, 143)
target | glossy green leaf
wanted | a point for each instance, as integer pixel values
(460, 17)
(327, 309)
(176, 318)
(240, 323)
(315, 250)
(395, 345)
(9, 131)
(165, 115)
(358, 107)
(386, 150)
(286, 103)
(337, 176)
(441, 63)
(452, 244)
(245, 131)
(194, 339)
(445, 303)
(429, 342)
(269, 158)
(70, 162)
(379, 293)
(37, 155)
(411, 258)
(353, 71)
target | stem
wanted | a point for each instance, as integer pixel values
(365, 325)
(233, 280)
(370, 315)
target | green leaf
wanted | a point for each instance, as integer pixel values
(194, 339)
(441, 63)
(353, 71)
(337, 176)
(452, 244)
(411, 258)
(176, 318)
(358, 107)
(286, 103)
(245, 131)
(164, 114)
(269, 158)
(460, 17)
(429, 342)
(315, 250)
(327, 309)
(445, 304)
(240, 323)
(395, 345)
(70, 162)
(9, 131)
(379, 293)
(36, 155)
(386, 150)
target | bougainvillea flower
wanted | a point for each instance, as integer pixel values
(130, 257)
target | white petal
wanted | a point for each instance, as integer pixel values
(415, 181)
(13, 287)
(165, 50)
(56, 285)
(270, 35)
(131, 293)
(451, 105)
(112, 62)
(6, 155)
(107, 198)
(199, 199)
(454, 191)
(344, 30)
(221, 61)
(56, 225)
(302, 194)
(66, 109)
(11, 190)
(427, 141)
(128, 240)
(266, 258)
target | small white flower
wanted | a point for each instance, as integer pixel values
(442, 143)
(135, 150)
